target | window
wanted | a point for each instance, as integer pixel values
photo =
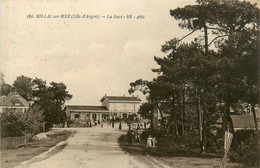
(104, 116)
(76, 115)
(94, 116)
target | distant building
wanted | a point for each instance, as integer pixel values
(240, 122)
(13, 101)
(86, 113)
(121, 106)
(112, 107)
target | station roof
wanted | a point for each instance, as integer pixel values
(120, 98)
(86, 108)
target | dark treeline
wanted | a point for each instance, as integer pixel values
(199, 81)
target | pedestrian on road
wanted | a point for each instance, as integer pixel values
(112, 124)
(90, 124)
(101, 124)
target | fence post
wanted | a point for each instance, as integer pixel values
(25, 139)
(43, 126)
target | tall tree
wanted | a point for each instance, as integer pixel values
(51, 100)
(5, 88)
(23, 85)
(226, 19)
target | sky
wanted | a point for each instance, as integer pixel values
(93, 57)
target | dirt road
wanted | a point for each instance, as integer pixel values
(89, 147)
(98, 147)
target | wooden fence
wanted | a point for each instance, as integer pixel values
(14, 142)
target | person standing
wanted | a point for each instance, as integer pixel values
(138, 126)
(154, 142)
(129, 137)
(137, 138)
(149, 141)
(120, 126)
(112, 124)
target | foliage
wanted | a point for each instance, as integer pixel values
(50, 99)
(5, 88)
(146, 110)
(17, 123)
(33, 120)
(244, 148)
(194, 80)
(23, 85)
(11, 123)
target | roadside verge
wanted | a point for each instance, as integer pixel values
(14, 157)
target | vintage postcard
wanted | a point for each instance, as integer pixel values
(129, 83)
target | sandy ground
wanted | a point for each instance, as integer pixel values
(89, 147)
(98, 147)
(13, 157)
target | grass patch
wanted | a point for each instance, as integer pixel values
(13, 157)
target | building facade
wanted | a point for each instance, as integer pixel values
(13, 101)
(112, 107)
(121, 106)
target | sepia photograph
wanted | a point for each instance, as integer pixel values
(130, 84)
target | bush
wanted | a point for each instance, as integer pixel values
(33, 120)
(244, 148)
(189, 141)
(16, 123)
(11, 123)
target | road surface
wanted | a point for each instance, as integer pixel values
(97, 147)
(90, 147)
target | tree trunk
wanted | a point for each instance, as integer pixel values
(174, 118)
(254, 114)
(163, 121)
(204, 137)
(183, 113)
(199, 117)
(206, 39)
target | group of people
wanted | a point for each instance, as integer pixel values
(151, 142)
(137, 126)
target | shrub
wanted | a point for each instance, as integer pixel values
(11, 123)
(33, 120)
(244, 148)
(189, 141)
(16, 123)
